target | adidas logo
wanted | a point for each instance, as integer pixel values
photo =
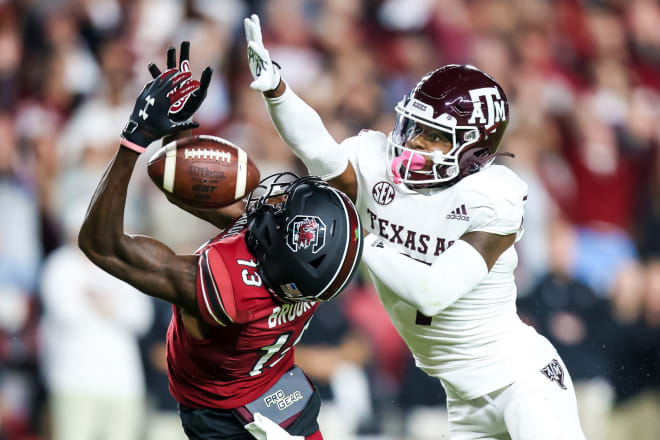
(459, 213)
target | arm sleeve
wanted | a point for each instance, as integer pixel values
(302, 129)
(215, 294)
(430, 289)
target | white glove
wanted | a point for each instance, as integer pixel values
(266, 75)
(264, 428)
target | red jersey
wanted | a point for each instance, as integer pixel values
(252, 334)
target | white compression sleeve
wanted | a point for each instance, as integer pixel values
(429, 289)
(302, 129)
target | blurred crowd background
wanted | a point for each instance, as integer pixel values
(82, 354)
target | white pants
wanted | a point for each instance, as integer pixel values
(540, 405)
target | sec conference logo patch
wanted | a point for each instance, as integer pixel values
(383, 193)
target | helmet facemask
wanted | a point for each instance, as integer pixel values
(408, 165)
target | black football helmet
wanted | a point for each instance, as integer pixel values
(305, 235)
(463, 103)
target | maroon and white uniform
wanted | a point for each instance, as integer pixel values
(502, 379)
(252, 335)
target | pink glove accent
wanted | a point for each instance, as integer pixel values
(416, 163)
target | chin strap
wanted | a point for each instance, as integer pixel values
(416, 162)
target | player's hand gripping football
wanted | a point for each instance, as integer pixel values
(266, 75)
(166, 104)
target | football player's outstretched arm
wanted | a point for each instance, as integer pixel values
(431, 289)
(299, 125)
(143, 262)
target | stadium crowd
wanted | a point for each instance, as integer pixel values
(583, 79)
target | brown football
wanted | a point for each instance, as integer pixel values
(203, 171)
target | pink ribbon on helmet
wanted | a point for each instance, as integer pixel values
(417, 162)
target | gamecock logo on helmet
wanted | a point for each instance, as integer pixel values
(305, 231)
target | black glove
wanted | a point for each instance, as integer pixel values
(167, 103)
(190, 94)
(149, 120)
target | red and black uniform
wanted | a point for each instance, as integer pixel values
(250, 345)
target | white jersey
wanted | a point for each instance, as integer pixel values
(477, 344)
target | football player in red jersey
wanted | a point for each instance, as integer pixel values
(243, 301)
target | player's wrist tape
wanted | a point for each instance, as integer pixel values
(302, 129)
(132, 146)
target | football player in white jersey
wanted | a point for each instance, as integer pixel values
(442, 221)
